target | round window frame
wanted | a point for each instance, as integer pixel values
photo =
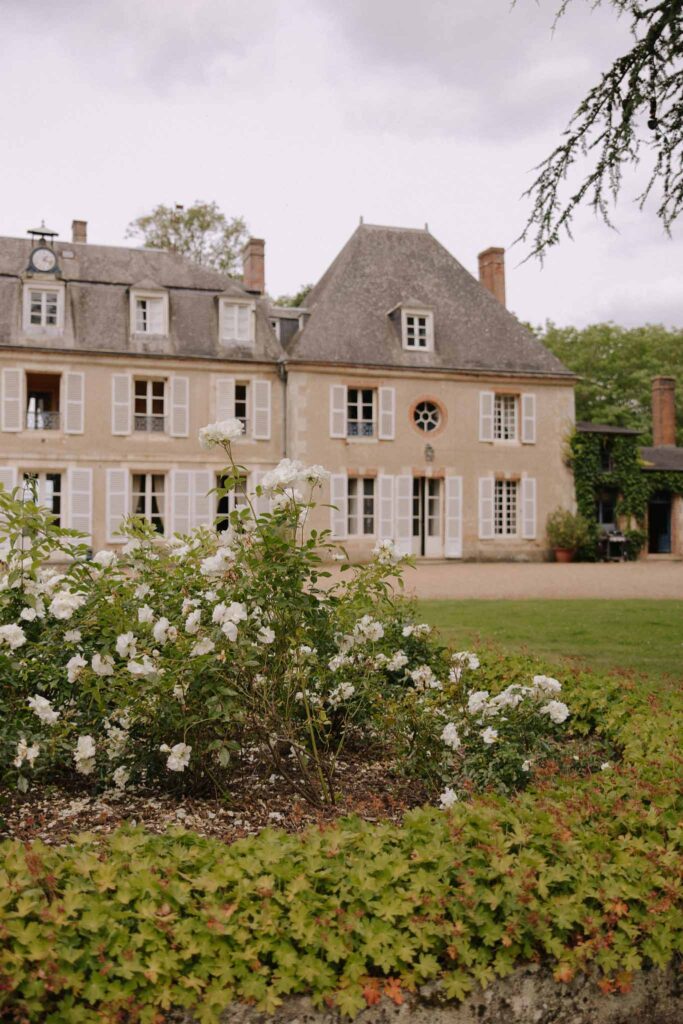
(443, 417)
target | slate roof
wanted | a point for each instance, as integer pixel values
(381, 268)
(665, 457)
(98, 280)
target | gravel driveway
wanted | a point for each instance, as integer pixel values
(513, 580)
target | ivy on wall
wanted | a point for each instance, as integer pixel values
(625, 475)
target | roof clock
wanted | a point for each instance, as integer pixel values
(43, 259)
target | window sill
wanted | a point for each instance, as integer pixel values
(362, 440)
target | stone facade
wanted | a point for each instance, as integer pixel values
(441, 419)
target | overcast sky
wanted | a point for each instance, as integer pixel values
(303, 115)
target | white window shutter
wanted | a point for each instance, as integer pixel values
(229, 315)
(118, 502)
(74, 398)
(243, 323)
(180, 407)
(528, 419)
(202, 511)
(453, 532)
(121, 403)
(385, 490)
(486, 403)
(337, 410)
(12, 399)
(339, 500)
(225, 398)
(387, 413)
(404, 515)
(181, 501)
(262, 504)
(79, 484)
(261, 407)
(486, 489)
(529, 508)
(8, 477)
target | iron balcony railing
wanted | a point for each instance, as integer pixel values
(360, 428)
(38, 420)
(150, 424)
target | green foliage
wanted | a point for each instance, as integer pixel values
(566, 530)
(615, 366)
(201, 232)
(299, 299)
(626, 475)
(581, 874)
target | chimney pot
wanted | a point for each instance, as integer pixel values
(254, 265)
(79, 231)
(492, 272)
(663, 411)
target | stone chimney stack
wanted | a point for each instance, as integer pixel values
(79, 231)
(663, 411)
(492, 272)
(254, 265)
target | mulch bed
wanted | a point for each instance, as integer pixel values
(258, 800)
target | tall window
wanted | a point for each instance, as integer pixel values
(360, 419)
(149, 315)
(43, 308)
(148, 498)
(505, 418)
(361, 506)
(46, 490)
(150, 401)
(417, 330)
(505, 508)
(236, 323)
(42, 401)
(227, 503)
(241, 399)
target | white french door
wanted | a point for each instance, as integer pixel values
(427, 517)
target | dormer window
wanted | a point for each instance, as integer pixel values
(417, 329)
(149, 313)
(44, 308)
(236, 322)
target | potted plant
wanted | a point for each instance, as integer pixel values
(566, 532)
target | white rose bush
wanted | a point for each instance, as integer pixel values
(172, 663)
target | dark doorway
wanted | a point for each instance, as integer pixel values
(659, 523)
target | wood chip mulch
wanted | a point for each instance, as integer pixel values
(257, 801)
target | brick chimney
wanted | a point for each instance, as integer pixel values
(492, 272)
(254, 265)
(79, 231)
(663, 411)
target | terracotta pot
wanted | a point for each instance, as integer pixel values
(563, 554)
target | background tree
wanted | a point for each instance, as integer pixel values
(636, 106)
(294, 300)
(616, 366)
(201, 232)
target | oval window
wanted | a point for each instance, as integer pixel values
(426, 416)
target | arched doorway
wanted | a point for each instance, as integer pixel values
(659, 523)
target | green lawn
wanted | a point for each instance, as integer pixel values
(643, 635)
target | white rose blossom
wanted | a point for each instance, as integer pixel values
(385, 552)
(424, 678)
(450, 736)
(126, 646)
(121, 777)
(397, 661)
(448, 798)
(104, 558)
(143, 668)
(478, 701)
(145, 614)
(103, 665)
(84, 755)
(42, 707)
(556, 711)
(192, 621)
(64, 604)
(266, 635)
(72, 636)
(220, 433)
(163, 631)
(543, 685)
(178, 756)
(25, 753)
(204, 646)
(216, 564)
(12, 635)
(75, 666)
(489, 735)
(466, 659)
(28, 614)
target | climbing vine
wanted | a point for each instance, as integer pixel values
(625, 475)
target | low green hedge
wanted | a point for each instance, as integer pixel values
(576, 873)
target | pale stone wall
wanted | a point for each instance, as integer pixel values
(457, 449)
(140, 452)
